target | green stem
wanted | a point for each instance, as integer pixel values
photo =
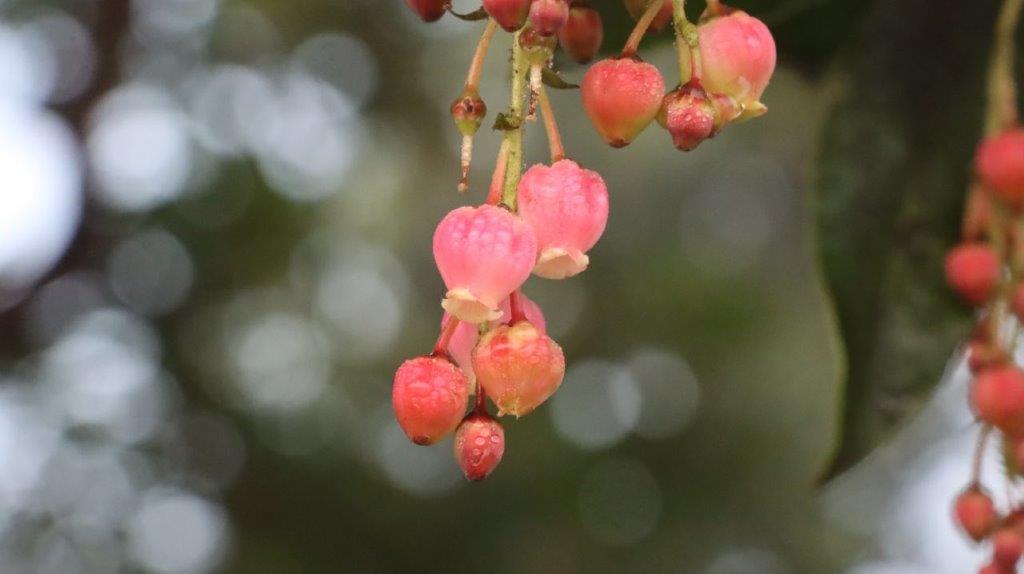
(514, 136)
(687, 42)
(1002, 90)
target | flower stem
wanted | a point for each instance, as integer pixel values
(515, 308)
(551, 127)
(514, 135)
(498, 178)
(687, 43)
(633, 42)
(480, 404)
(477, 64)
(979, 454)
(441, 346)
(715, 7)
(1002, 89)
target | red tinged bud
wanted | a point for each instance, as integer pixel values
(582, 34)
(621, 97)
(509, 14)
(997, 395)
(975, 513)
(479, 445)
(428, 10)
(429, 397)
(999, 163)
(519, 367)
(973, 270)
(548, 16)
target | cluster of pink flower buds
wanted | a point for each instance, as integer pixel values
(987, 271)
(977, 516)
(493, 343)
(493, 338)
(730, 58)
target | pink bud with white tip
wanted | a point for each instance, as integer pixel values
(737, 58)
(460, 346)
(567, 207)
(483, 254)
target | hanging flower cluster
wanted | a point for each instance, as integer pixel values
(493, 343)
(987, 271)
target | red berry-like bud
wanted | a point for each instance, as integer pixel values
(975, 513)
(622, 96)
(973, 270)
(1007, 548)
(567, 208)
(519, 367)
(689, 116)
(537, 48)
(737, 58)
(548, 16)
(428, 10)
(429, 397)
(479, 445)
(1000, 165)
(996, 569)
(997, 396)
(636, 8)
(582, 34)
(509, 14)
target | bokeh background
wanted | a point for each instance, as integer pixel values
(214, 251)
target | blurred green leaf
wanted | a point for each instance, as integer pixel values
(504, 122)
(893, 168)
(552, 79)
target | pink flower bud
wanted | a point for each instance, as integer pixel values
(519, 367)
(973, 270)
(483, 253)
(1000, 165)
(1007, 548)
(548, 16)
(738, 59)
(975, 513)
(689, 116)
(479, 445)
(567, 207)
(460, 347)
(428, 10)
(509, 14)
(622, 96)
(429, 397)
(583, 32)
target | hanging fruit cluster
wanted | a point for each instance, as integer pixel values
(987, 271)
(493, 343)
